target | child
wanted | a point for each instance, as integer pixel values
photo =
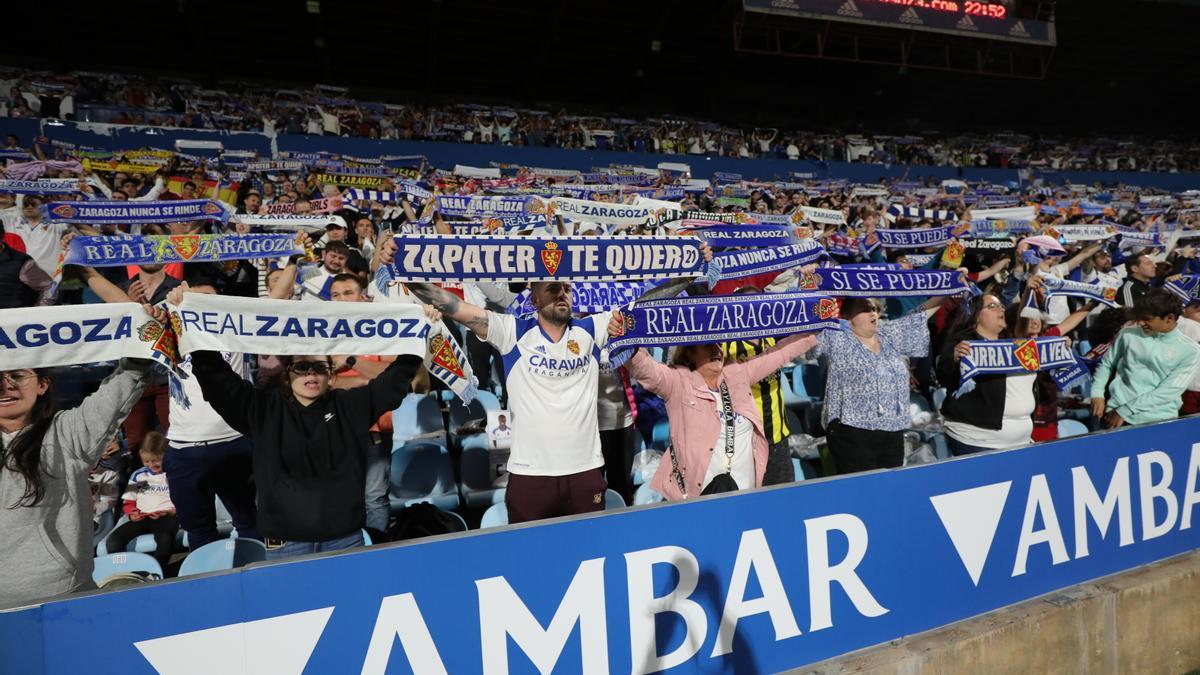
(1151, 365)
(148, 503)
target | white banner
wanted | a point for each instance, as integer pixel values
(600, 212)
(826, 216)
(1010, 213)
(39, 337)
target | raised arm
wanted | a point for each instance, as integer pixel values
(785, 351)
(88, 428)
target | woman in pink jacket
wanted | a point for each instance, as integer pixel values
(691, 388)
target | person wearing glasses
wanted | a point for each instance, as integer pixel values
(45, 457)
(309, 441)
(997, 414)
(867, 387)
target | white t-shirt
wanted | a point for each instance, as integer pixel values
(742, 465)
(499, 436)
(552, 390)
(43, 242)
(198, 422)
(148, 491)
(1017, 425)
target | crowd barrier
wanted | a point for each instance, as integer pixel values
(754, 582)
(446, 155)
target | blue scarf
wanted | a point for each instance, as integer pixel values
(1013, 357)
(45, 186)
(1077, 289)
(722, 318)
(1187, 287)
(589, 297)
(271, 166)
(722, 236)
(1132, 237)
(866, 283)
(920, 212)
(484, 206)
(440, 257)
(139, 213)
(738, 264)
(118, 251)
(937, 236)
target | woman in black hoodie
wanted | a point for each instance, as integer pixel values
(310, 445)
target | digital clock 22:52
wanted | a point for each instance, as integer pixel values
(994, 11)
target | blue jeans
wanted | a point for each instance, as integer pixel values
(958, 448)
(379, 466)
(291, 549)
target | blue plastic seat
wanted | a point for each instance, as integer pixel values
(476, 469)
(613, 500)
(143, 543)
(939, 397)
(422, 472)
(813, 375)
(418, 415)
(105, 566)
(495, 516)
(646, 495)
(489, 400)
(225, 554)
(1068, 428)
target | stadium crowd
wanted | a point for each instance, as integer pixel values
(298, 448)
(330, 111)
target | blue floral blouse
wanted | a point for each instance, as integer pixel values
(866, 390)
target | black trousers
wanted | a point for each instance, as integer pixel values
(856, 449)
(199, 473)
(779, 464)
(164, 530)
(617, 447)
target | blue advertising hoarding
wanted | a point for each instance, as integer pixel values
(761, 581)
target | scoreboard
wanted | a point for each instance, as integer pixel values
(972, 18)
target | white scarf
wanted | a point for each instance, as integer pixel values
(39, 337)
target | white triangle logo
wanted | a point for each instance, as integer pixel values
(1019, 29)
(966, 23)
(910, 16)
(970, 518)
(280, 645)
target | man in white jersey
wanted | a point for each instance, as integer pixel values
(551, 364)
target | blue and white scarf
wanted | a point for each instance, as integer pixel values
(1131, 237)
(931, 237)
(1106, 295)
(824, 216)
(44, 186)
(1187, 287)
(137, 213)
(119, 251)
(601, 212)
(919, 213)
(589, 297)
(1084, 232)
(40, 337)
(738, 264)
(857, 282)
(1013, 357)
(720, 235)
(439, 257)
(406, 188)
(983, 228)
(487, 206)
(721, 318)
(271, 166)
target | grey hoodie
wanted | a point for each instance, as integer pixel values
(46, 550)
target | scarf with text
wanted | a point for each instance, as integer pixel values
(823, 216)
(746, 263)
(1013, 357)
(919, 213)
(120, 251)
(40, 337)
(869, 283)
(271, 166)
(286, 327)
(588, 297)
(44, 186)
(931, 237)
(1187, 287)
(136, 213)
(984, 228)
(723, 318)
(600, 212)
(487, 206)
(440, 257)
(290, 222)
(721, 235)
